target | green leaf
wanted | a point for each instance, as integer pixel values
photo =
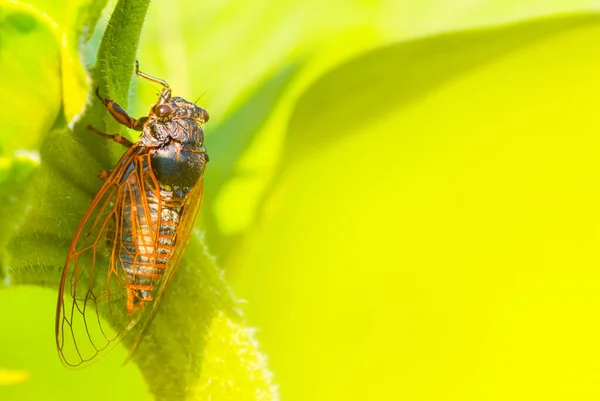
(84, 15)
(29, 77)
(438, 222)
(402, 74)
(14, 189)
(41, 69)
(198, 346)
(232, 138)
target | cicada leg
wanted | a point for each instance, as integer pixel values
(149, 77)
(165, 94)
(104, 174)
(121, 115)
(115, 137)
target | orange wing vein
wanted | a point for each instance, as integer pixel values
(91, 314)
(95, 308)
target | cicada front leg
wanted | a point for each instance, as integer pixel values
(104, 174)
(165, 93)
(120, 114)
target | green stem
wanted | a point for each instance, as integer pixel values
(117, 52)
(112, 73)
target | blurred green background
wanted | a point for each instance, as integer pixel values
(407, 200)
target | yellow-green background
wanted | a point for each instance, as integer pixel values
(434, 229)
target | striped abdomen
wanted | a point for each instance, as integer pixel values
(147, 243)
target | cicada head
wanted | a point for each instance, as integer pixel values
(173, 108)
(175, 118)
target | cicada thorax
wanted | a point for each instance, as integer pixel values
(180, 162)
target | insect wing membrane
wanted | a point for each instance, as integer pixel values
(92, 310)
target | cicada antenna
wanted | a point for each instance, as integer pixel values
(199, 97)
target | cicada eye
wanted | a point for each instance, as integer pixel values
(162, 110)
(202, 114)
(205, 115)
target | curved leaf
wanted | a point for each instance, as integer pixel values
(14, 189)
(30, 81)
(438, 223)
(230, 140)
(401, 74)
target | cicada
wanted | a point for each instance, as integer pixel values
(129, 243)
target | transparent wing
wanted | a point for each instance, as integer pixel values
(92, 313)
